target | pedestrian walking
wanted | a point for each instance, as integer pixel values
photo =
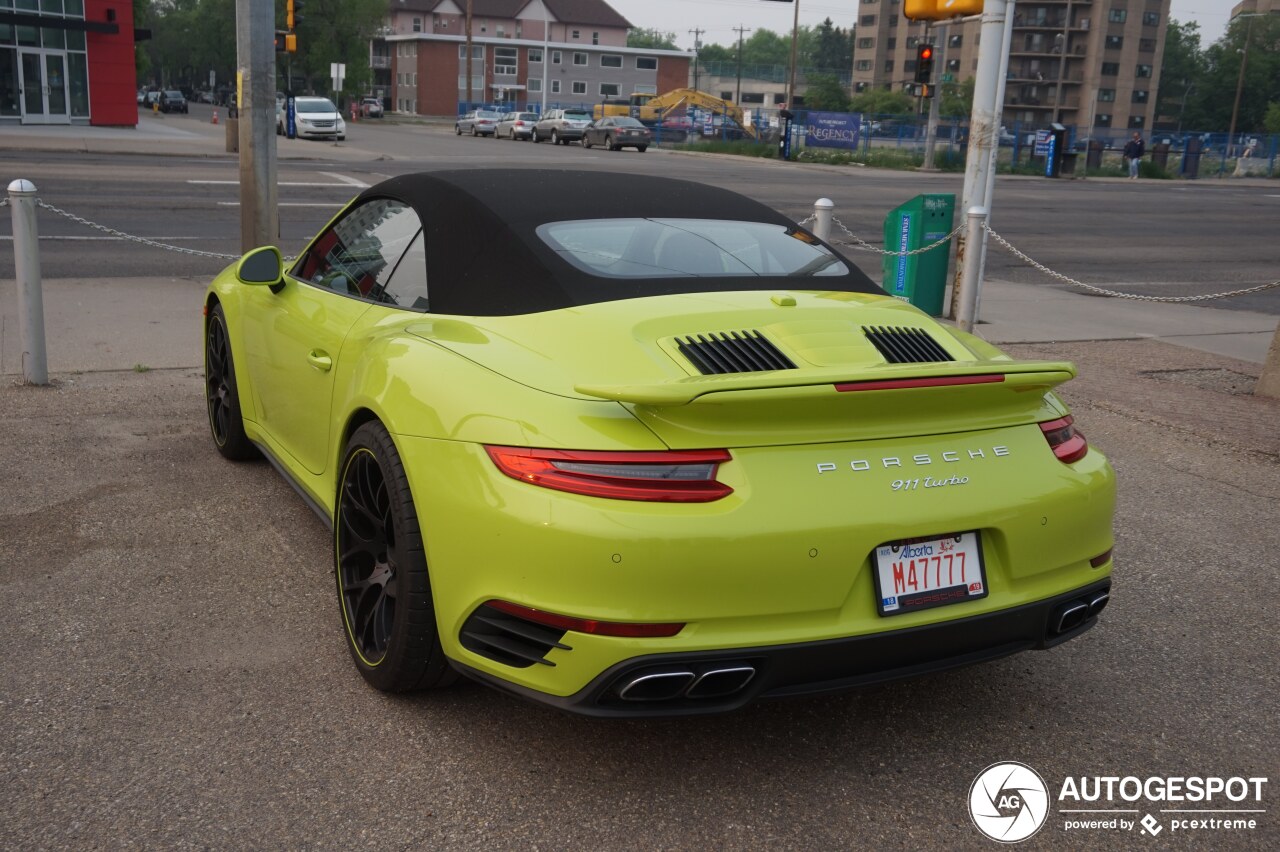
(1133, 151)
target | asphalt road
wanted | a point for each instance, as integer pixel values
(1171, 238)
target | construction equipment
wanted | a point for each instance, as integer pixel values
(652, 109)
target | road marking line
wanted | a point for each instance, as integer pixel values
(349, 181)
(281, 204)
(7, 238)
(344, 185)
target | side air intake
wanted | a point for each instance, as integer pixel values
(733, 352)
(509, 639)
(906, 345)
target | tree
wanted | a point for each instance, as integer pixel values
(832, 48)
(1181, 69)
(825, 93)
(1271, 121)
(957, 98)
(765, 47)
(882, 102)
(651, 38)
(1211, 101)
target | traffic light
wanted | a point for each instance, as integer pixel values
(940, 10)
(292, 13)
(924, 63)
(290, 43)
(280, 41)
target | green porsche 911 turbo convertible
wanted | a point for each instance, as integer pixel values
(649, 450)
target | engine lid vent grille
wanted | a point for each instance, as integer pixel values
(733, 352)
(906, 345)
(509, 639)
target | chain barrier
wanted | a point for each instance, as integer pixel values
(1115, 293)
(863, 245)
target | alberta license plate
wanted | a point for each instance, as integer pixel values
(921, 573)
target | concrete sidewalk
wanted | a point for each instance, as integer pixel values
(96, 324)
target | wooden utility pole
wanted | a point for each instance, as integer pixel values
(740, 30)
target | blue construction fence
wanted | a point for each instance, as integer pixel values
(1217, 154)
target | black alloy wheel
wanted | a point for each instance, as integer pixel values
(383, 586)
(221, 394)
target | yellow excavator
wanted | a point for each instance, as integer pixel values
(651, 109)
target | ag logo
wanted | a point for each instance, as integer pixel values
(1008, 802)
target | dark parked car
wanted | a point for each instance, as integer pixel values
(171, 100)
(618, 131)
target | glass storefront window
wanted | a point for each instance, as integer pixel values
(75, 39)
(75, 8)
(54, 38)
(52, 7)
(78, 73)
(27, 5)
(28, 36)
(9, 82)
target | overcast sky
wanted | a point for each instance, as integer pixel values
(719, 17)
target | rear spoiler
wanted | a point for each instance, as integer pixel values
(1018, 376)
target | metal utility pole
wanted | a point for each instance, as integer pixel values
(740, 30)
(931, 129)
(697, 48)
(984, 124)
(795, 41)
(468, 26)
(256, 84)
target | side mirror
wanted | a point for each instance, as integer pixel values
(261, 266)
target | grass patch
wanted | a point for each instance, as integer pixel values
(141, 368)
(740, 147)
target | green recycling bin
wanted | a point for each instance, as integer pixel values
(920, 279)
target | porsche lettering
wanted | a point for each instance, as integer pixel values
(920, 459)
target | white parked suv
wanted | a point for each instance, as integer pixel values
(562, 126)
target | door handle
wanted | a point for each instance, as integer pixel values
(320, 359)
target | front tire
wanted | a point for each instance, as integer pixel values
(457, 131)
(222, 396)
(586, 143)
(384, 590)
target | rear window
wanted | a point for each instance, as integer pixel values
(576, 113)
(677, 248)
(528, 116)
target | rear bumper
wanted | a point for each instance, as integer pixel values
(825, 667)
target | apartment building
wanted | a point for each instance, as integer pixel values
(1080, 63)
(574, 50)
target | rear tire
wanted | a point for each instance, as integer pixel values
(473, 131)
(608, 143)
(384, 589)
(642, 148)
(555, 138)
(222, 396)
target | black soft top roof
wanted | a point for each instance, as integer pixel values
(485, 259)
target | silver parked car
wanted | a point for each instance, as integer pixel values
(478, 122)
(516, 125)
(562, 126)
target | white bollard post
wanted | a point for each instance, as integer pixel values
(823, 211)
(971, 282)
(26, 260)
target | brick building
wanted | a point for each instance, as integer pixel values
(527, 52)
(1069, 60)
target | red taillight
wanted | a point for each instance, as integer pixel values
(900, 384)
(1067, 442)
(678, 476)
(634, 630)
(1100, 560)
(519, 124)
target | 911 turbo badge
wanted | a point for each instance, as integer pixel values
(920, 459)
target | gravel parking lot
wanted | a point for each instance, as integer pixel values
(176, 675)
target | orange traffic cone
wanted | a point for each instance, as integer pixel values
(215, 115)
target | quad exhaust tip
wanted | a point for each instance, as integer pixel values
(683, 683)
(1072, 614)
